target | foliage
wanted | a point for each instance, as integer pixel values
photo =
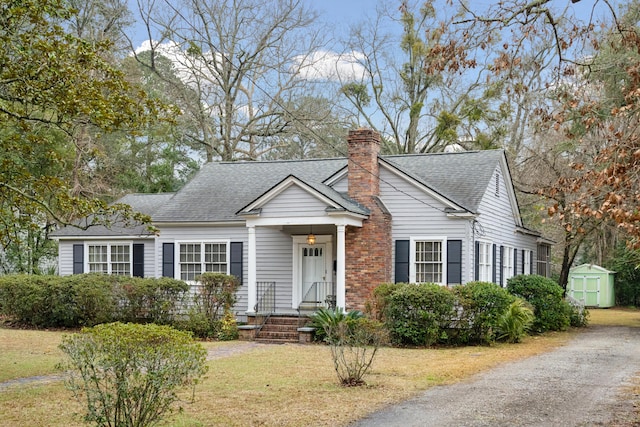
(354, 341)
(626, 262)
(578, 314)
(56, 90)
(482, 306)
(128, 374)
(417, 314)
(89, 299)
(210, 316)
(326, 321)
(514, 323)
(546, 296)
(150, 300)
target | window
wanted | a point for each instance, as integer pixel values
(507, 263)
(196, 258)
(110, 259)
(428, 263)
(527, 261)
(543, 263)
(485, 262)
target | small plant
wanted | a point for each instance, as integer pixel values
(354, 341)
(515, 322)
(128, 374)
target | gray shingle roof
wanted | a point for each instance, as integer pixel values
(144, 203)
(462, 177)
(220, 190)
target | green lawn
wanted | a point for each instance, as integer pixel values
(281, 385)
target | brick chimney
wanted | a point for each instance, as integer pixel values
(368, 248)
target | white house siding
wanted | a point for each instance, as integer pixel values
(296, 198)
(341, 185)
(498, 223)
(176, 234)
(418, 214)
(275, 263)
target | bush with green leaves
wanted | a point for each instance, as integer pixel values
(546, 296)
(89, 299)
(354, 341)
(150, 300)
(211, 315)
(624, 262)
(515, 322)
(418, 314)
(129, 374)
(481, 305)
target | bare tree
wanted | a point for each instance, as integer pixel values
(243, 60)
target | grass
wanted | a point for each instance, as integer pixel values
(285, 385)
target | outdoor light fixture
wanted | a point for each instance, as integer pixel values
(311, 238)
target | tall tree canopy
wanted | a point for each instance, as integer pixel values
(54, 87)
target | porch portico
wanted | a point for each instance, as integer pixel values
(330, 231)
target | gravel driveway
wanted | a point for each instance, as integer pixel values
(578, 384)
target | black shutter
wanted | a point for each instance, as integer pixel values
(167, 260)
(235, 260)
(477, 257)
(500, 269)
(524, 254)
(78, 259)
(530, 262)
(454, 262)
(515, 262)
(495, 265)
(138, 260)
(402, 261)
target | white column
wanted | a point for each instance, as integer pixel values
(340, 268)
(252, 297)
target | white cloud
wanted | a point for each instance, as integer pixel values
(327, 65)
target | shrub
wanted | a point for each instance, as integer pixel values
(545, 295)
(128, 374)
(579, 314)
(149, 300)
(417, 314)
(211, 315)
(354, 341)
(482, 305)
(514, 323)
(89, 299)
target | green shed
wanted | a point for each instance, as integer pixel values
(592, 284)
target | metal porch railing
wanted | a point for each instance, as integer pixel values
(266, 304)
(320, 294)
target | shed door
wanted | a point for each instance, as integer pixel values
(587, 289)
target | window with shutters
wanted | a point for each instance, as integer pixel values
(195, 258)
(428, 260)
(109, 258)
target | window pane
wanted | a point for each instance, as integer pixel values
(98, 259)
(428, 262)
(190, 260)
(215, 257)
(120, 260)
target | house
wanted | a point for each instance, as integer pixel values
(325, 230)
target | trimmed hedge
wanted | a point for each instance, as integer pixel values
(482, 306)
(417, 314)
(89, 299)
(552, 312)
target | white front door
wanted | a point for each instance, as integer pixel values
(313, 269)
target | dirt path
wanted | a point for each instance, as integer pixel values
(578, 384)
